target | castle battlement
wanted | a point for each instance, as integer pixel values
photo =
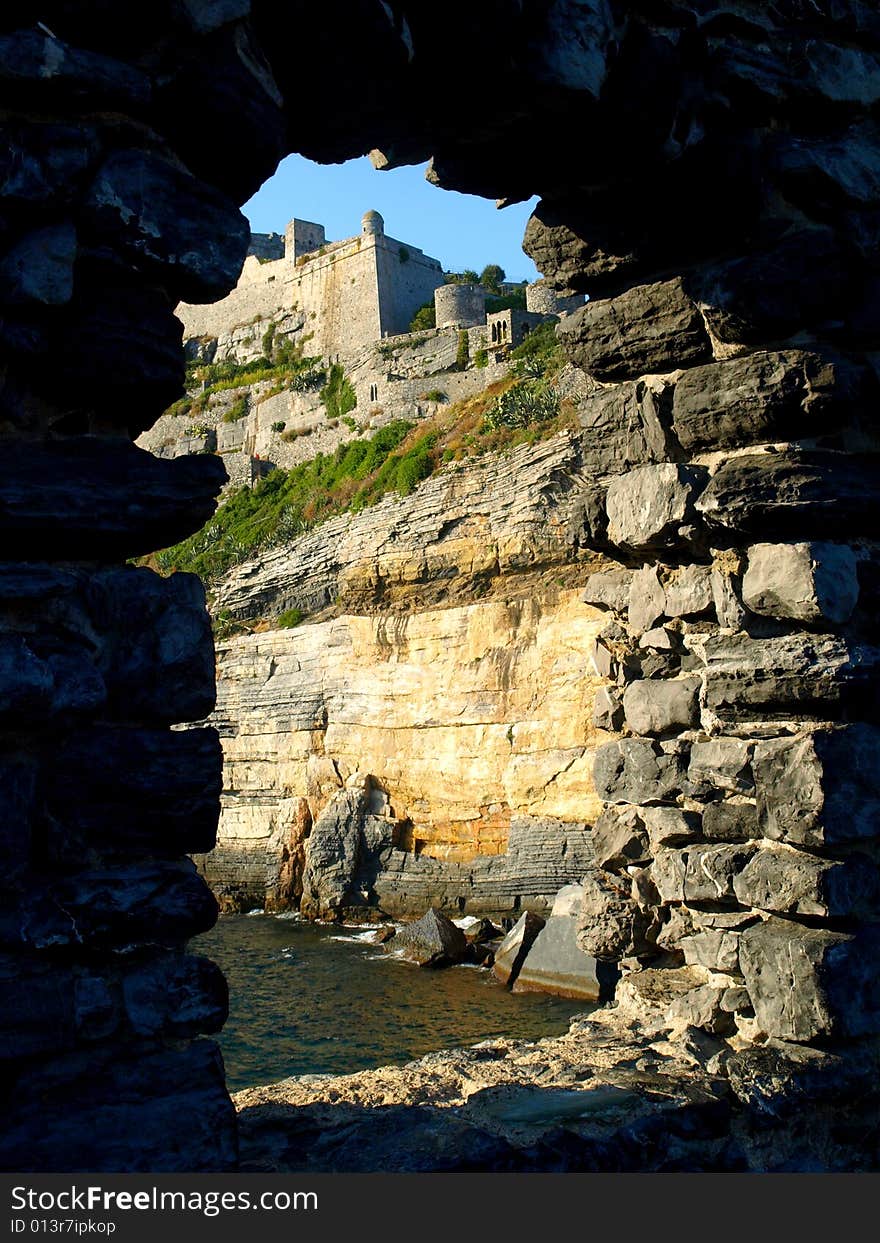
(341, 295)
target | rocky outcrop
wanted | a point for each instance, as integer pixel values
(459, 792)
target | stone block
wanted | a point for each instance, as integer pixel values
(756, 398)
(619, 838)
(792, 882)
(807, 672)
(612, 925)
(822, 788)
(703, 873)
(720, 764)
(657, 706)
(715, 948)
(633, 770)
(670, 826)
(647, 330)
(511, 953)
(176, 995)
(815, 582)
(689, 591)
(731, 822)
(701, 1007)
(556, 964)
(647, 599)
(811, 983)
(650, 507)
(608, 590)
(607, 710)
(623, 425)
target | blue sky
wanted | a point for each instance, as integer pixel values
(460, 230)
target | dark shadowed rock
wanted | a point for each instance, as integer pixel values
(650, 328)
(511, 953)
(813, 582)
(39, 269)
(820, 788)
(163, 785)
(652, 507)
(556, 964)
(101, 499)
(804, 280)
(792, 495)
(159, 216)
(432, 941)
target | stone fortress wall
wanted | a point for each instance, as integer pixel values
(350, 300)
(347, 294)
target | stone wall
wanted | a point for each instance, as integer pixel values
(334, 298)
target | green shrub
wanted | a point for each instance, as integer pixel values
(289, 618)
(463, 354)
(238, 410)
(434, 394)
(527, 403)
(285, 503)
(338, 393)
(279, 425)
(425, 317)
(411, 470)
(540, 354)
(481, 358)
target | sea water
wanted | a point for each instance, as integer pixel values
(310, 999)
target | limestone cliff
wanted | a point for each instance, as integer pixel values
(454, 673)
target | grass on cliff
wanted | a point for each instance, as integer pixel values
(521, 408)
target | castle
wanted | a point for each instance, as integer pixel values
(342, 297)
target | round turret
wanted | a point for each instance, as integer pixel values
(544, 300)
(459, 306)
(373, 224)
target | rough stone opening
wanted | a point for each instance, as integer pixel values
(723, 486)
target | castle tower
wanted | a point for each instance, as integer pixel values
(372, 224)
(302, 237)
(460, 306)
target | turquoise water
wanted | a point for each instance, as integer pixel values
(308, 999)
